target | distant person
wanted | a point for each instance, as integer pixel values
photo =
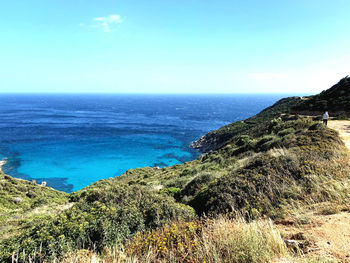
(325, 117)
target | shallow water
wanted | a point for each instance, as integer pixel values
(70, 141)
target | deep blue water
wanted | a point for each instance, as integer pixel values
(70, 141)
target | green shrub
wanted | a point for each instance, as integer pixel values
(242, 140)
(172, 191)
(216, 158)
(188, 171)
(286, 132)
(317, 126)
(101, 217)
(267, 142)
(201, 181)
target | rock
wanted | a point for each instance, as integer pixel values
(31, 194)
(17, 200)
(297, 246)
(293, 244)
(285, 222)
(297, 236)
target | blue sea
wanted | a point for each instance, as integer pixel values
(71, 141)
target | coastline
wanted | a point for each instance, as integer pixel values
(2, 163)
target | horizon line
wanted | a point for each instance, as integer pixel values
(155, 93)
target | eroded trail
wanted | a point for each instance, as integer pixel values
(327, 236)
(328, 227)
(343, 127)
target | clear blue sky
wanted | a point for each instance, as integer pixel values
(173, 46)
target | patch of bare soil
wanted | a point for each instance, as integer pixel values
(343, 127)
(326, 236)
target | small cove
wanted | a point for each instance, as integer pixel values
(71, 141)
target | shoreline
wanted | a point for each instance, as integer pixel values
(2, 163)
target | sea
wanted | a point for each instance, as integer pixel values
(71, 141)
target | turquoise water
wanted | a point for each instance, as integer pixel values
(71, 141)
(87, 161)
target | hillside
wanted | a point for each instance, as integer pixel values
(24, 203)
(276, 164)
(335, 100)
(251, 126)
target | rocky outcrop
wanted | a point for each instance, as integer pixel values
(211, 142)
(205, 144)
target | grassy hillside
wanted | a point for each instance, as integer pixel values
(251, 126)
(336, 100)
(24, 203)
(273, 164)
(297, 162)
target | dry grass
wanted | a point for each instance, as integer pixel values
(229, 240)
(343, 127)
(87, 256)
(211, 240)
(326, 232)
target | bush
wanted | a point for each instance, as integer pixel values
(216, 158)
(267, 142)
(188, 171)
(201, 181)
(286, 132)
(259, 186)
(242, 140)
(101, 217)
(317, 126)
(218, 240)
(172, 191)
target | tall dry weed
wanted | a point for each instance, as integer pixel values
(211, 240)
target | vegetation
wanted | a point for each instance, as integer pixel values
(23, 204)
(207, 240)
(272, 164)
(280, 171)
(101, 217)
(336, 100)
(252, 126)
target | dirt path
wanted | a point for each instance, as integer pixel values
(329, 235)
(343, 127)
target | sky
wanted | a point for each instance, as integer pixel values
(173, 46)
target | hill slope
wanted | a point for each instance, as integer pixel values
(23, 203)
(251, 126)
(336, 100)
